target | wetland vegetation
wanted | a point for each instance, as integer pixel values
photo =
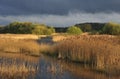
(59, 55)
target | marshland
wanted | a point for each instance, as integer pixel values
(42, 52)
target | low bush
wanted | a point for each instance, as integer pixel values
(111, 28)
(74, 30)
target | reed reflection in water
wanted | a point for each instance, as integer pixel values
(58, 69)
(18, 66)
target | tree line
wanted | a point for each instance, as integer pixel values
(42, 29)
(110, 28)
(27, 28)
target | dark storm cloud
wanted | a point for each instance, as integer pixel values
(63, 20)
(59, 12)
(22, 7)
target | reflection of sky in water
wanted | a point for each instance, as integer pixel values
(52, 70)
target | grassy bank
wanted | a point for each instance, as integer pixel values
(30, 47)
(27, 44)
(101, 52)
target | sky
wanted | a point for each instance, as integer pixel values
(59, 13)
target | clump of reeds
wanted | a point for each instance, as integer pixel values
(21, 57)
(14, 69)
(100, 52)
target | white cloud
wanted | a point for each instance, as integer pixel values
(64, 20)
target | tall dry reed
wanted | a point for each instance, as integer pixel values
(14, 68)
(101, 52)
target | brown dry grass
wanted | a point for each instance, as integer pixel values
(23, 43)
(22, 57)
(19, 36)
(30, 47)
(102, 52)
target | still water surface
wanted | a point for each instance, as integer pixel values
(57, 69)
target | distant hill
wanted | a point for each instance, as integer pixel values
(60, 29)
(94, 26)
